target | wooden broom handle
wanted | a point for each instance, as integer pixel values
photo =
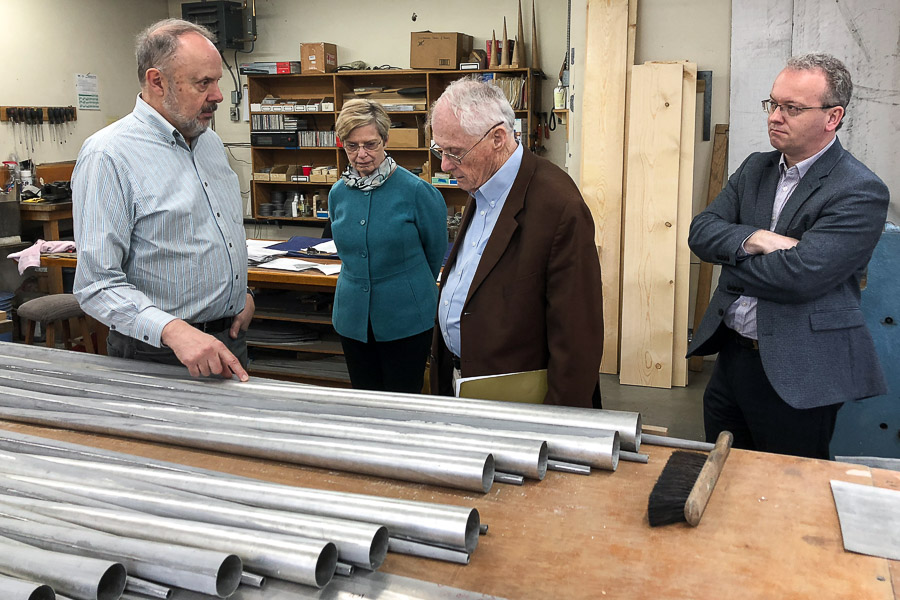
(706, 482)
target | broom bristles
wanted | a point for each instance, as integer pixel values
(670, 494)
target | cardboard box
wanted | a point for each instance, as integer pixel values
(405, 138)
(429, 50)
(319, 57)
(288, 67)
(282, 172)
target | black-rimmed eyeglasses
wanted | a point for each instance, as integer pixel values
(436, 150)
(770, 106)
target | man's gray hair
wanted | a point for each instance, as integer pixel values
(157, 44)
(478, 105)
(840, 87)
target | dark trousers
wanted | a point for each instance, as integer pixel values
(740, 399)
(394, 366)
(123, 346)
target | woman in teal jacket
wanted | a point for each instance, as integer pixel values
(390, 228)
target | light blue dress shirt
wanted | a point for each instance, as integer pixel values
(158, 227)
(741, 315)
(489, 201)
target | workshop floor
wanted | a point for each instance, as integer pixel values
(680, 408)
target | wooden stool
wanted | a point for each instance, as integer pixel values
(53, 309)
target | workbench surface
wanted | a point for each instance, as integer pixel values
(770, 531)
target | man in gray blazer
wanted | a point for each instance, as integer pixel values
(793, 231)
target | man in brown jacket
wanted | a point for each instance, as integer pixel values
(521, 288)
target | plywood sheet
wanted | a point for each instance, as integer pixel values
(651, 216)
(603, 139)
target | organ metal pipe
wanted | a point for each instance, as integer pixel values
(363, 544)
(12, 588)
(252, 579)
(671, 442)
(564, 467)
(520, 456)
(445, 524)
(204, 571)
(513, 414)
(437, 523)
(147, 588)
(634, 456)
(80, 577)
(509, 478)
(292, 558)
(595, 449)
(462, 470)
(401, 546)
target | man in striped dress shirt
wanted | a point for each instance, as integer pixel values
(162, 256)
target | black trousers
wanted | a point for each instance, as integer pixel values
(740, 399)
(394, 366)
(123, 346)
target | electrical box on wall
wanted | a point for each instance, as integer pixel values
(224, 18)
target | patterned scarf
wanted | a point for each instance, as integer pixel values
(353, 179)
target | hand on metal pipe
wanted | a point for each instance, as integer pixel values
(200, 352)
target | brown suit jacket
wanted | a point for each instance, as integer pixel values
(536, 298)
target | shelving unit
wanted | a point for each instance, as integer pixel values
(322, 361)
(340, 87)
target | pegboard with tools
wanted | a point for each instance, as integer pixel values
(28, 123)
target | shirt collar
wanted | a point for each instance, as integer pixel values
(805, 165)
(498, 185)
(150, 116)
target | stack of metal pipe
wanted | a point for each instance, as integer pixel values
(289, 533)
(173, 526)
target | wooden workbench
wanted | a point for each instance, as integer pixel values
(771, 530)
(49, 214)
(308, 280)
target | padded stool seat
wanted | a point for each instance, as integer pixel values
(50, 310)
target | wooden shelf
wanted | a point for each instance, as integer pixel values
(325, 346)
(300, 317)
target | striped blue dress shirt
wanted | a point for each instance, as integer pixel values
(489, 201)
(158, 227)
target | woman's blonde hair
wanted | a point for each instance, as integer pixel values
(359, 113)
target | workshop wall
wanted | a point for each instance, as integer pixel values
(46, 42)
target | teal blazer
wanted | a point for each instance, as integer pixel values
(391, 242)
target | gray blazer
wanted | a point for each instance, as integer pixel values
(813, 341)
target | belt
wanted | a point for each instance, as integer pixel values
(743, 342)
(214, 326)
(456, 362)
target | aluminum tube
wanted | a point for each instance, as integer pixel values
(634, 457)
(363, 544)
(80, 577)
(483, 529)
(628, 424)
(344, 570)
(671, 442)
(410, 547)
(12, 588)
(199, 570)
(453, 526)
(594, 449)
(252, 579)
(509, 478)
(564, 467)
(292, 558)
(147, 588)
(461, 409)
(468, 471)
(520, 456)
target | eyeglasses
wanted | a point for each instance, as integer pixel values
(436, 150)
(370, 146)
(770, 106)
